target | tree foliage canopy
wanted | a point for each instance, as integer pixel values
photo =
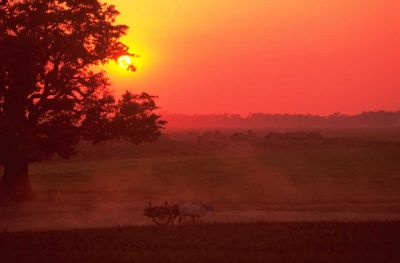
(50, 97)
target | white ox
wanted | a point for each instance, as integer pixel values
(194, 210)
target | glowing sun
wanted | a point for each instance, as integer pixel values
(125, 62)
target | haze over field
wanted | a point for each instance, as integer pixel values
(346, 176)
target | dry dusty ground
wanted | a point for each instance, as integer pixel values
(46, 216)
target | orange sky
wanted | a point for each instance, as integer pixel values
(278, 56)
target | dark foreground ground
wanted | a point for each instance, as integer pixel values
(261, 242)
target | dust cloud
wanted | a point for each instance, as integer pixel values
(246, 181)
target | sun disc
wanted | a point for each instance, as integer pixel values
(124, 62)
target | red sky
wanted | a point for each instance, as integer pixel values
(277, 56)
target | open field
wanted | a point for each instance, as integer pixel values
(272, 242)
(353, 178)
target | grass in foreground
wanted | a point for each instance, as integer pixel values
(263, 242)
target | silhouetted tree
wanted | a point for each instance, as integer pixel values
(50, 98)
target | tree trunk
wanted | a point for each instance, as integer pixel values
(15, 185)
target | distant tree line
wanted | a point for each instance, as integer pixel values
(371, 119)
